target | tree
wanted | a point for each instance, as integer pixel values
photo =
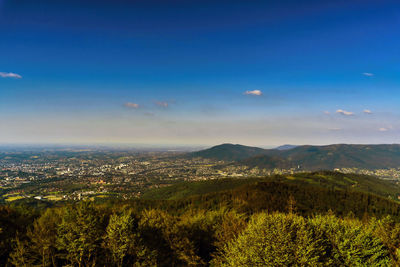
(43, 237)
(275, 240)
(21, 254)
(80, 233)
(353, 244)
(124, 242)
(388, 231)
(291, 205)
(12, 221)
(171, 239)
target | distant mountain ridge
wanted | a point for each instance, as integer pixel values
(308, 157)
(229, 152)
(286, 147)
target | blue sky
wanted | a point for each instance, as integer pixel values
(200, 72)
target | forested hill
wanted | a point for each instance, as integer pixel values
(314, 193)
(344, 156)
(341, 218)
(229, 152)
(322, 179)
(309, 158)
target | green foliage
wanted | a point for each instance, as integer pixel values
(169, 237)
(344, 156)
(120, 237)
(80, 233)
(230, 226)
(124, 243)
(310, 158)
(253, 223)
(276, 240)
(388, 232)
(13, 221)
(42, 236)
(287, 240)
(274, 196)
(21, 254)
(209, 229)
(353, 243)
(313, 192)
(186, 189)
(228, 152)
(349, 182)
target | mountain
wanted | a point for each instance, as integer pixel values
(229, 152)
(266, 162)
(310, 158)
(286, 147)
(342, 156)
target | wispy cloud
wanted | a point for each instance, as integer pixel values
(327, 112)
(10, 75)
(386, 128)
(344, 112)
(253, 92)
(368, 74)
(131, 105)
(163, 104)
(367, 111)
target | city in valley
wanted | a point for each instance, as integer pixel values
(199, 133)
(57, 174)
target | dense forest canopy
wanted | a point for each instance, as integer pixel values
(214, 223)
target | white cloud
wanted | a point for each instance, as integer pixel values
(131, 105)
(367, 111)
(327, 112)
(385, 129)
(344, 112)
(163, 104)
(10, 75)
(253, 92)
(368, 74)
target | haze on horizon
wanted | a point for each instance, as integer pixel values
(259, 73)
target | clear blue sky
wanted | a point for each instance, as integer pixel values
(200, 72)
